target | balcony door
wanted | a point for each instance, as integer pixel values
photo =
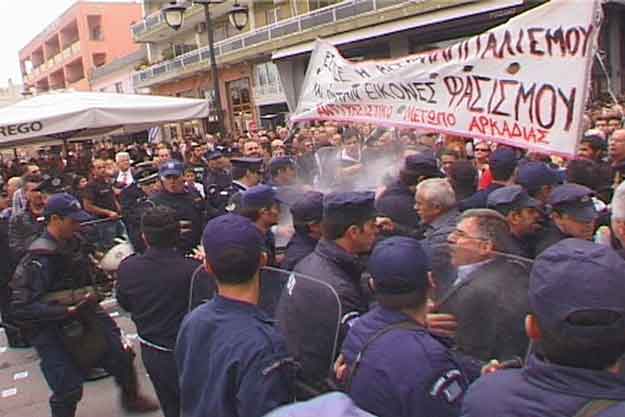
(241, 108)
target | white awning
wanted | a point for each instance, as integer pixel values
(73, 114)
(421, 20)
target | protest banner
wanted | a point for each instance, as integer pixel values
(524, 83)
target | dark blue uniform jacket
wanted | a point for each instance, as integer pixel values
(231, 361)
(154, 288)
(403, 373)
(542, 389)
(300, 246)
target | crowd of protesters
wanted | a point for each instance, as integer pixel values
(469, 278)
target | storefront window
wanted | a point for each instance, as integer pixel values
(242, 113)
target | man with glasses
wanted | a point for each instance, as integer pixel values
(489, 296)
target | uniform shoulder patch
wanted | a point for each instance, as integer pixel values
(448, 386)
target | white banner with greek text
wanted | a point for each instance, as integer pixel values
(523, 83)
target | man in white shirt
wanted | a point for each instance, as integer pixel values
(124, 176)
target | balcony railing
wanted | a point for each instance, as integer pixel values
(268, 89)
(67, 53)
(147, 24)
(327, 15)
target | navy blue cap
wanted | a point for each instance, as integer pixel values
(65, 205)
(308, 208)
(576, 275)
(398, 208)
(258, 197)
(51, 185)
(212, 155)
(171, 168)
(513, 197)
(146, 175)
(247, 163)
(349, 205)
(421, 161)
(228, 232)
(574, 200)
(399, 265)
(532, 175)
(281, 162)
(503, 157)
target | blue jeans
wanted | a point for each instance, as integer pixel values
(64, 377)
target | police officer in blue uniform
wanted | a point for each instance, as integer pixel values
(502, 164)
(523, 214)
(307, 314)
(573, 214)
(538, 179)
(400, 193)
(231, 359)
(53, 297)
(134, 200)
(261, 205)
(188, 209)
(307, 213)
(218, 186)
(577, 324)
(154, 288)
(246, 173)
(395, 366)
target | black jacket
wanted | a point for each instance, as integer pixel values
(490, 304)
(312, 312)
(187, 209)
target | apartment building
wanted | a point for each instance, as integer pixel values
(88, 35)
(262, 68)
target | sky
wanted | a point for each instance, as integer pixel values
(22, 21)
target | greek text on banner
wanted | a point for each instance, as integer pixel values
(523, 83)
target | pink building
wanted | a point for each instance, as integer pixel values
(88, 35)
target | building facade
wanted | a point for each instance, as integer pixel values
(116, 77)
(89, 35)
(262, 68)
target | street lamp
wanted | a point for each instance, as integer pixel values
(174, 17)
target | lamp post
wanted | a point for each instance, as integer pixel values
(238, 15)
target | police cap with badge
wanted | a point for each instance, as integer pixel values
(51, 185)
(511, 198)
(146, 176)
(65, 205)
(575, 201)
(171, 168)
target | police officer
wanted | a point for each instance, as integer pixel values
(391, 347)
(217, 182)
(307, 314)
(246, 173)
(523, 214)
(187, 208)
(538, 179)
(573, 214)
(307, 213)
(261, 205)
(282, 172)
(577, 324)
(134, 200)
(154, 288)
(231, 359)
(49, 294)
(398, 197)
